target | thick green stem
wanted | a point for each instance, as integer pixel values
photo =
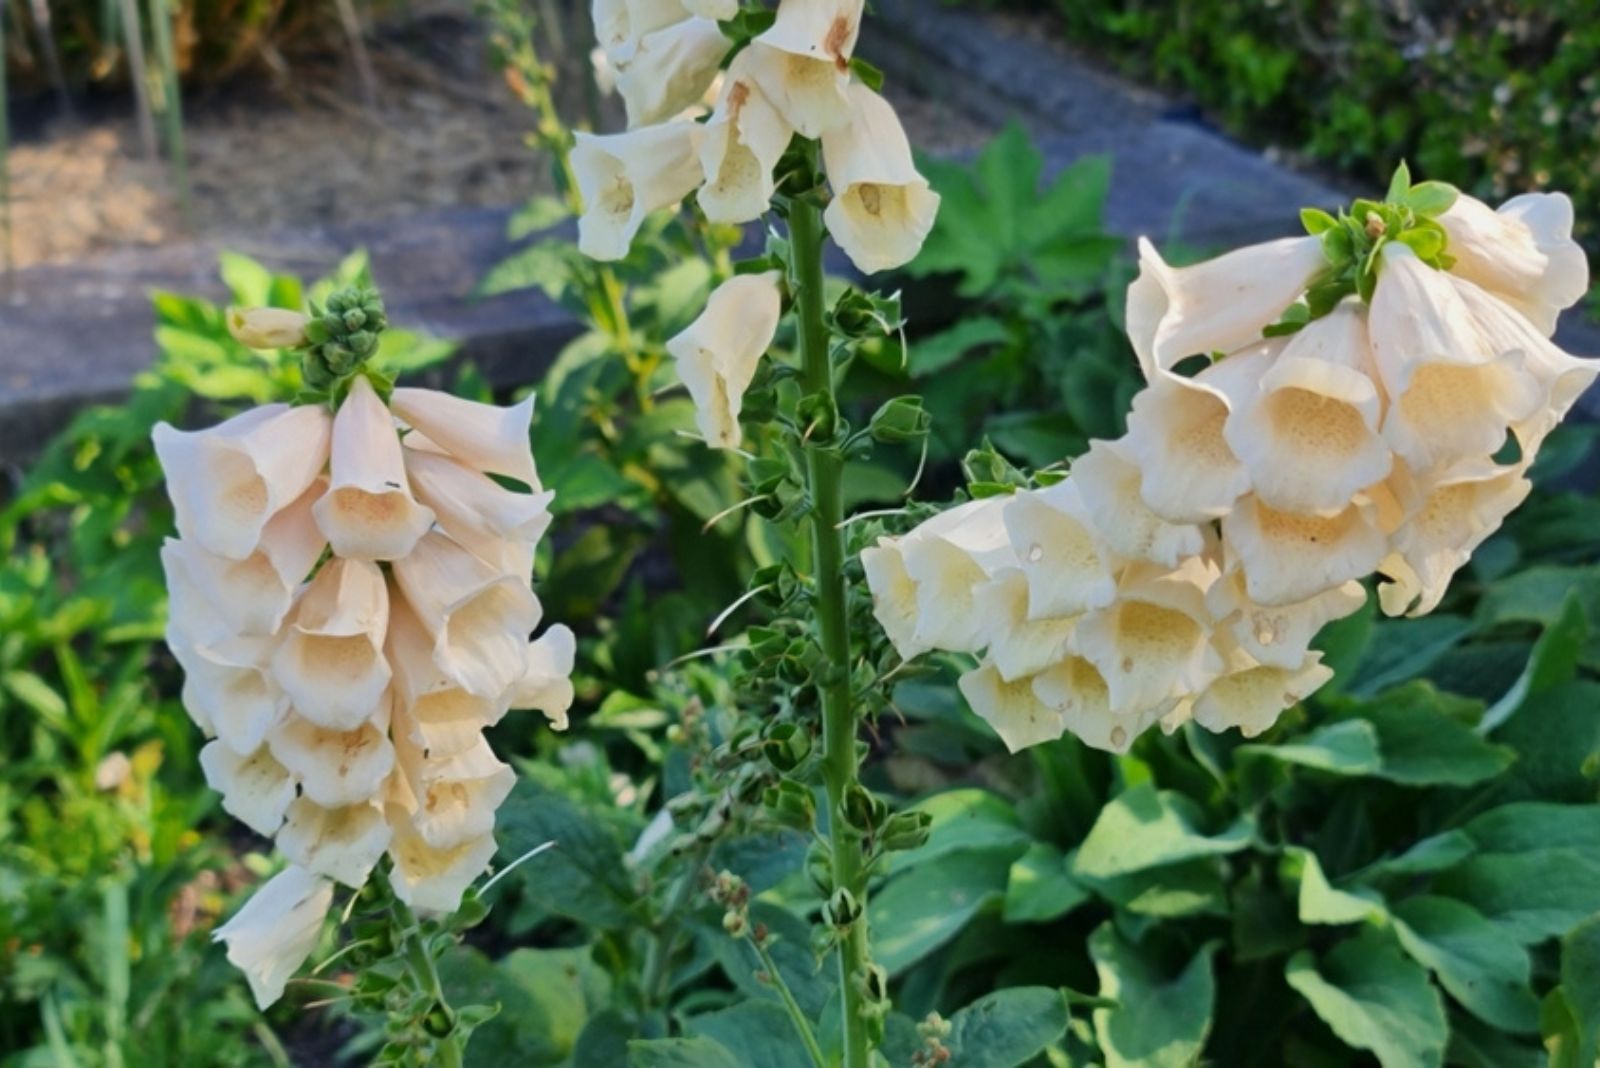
(825, 469)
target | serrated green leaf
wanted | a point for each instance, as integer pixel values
(1374, 998)
(1161, 1019)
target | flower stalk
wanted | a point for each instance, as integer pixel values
(824, 471)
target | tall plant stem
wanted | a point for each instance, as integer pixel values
(825, 470)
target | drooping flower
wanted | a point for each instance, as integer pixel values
(331, 662)
(483, 437)
(717, 355)
(742, 144)
(368, 512)
(1288, 557)
(1079, 694)
(256, 790)
(342, 842)
(227, 482)
(1522, 253)
(1309, 435)
(670, 70)
(624, 177)
(802, 62)
(1065, 567)
(1218, 305)
(1017, 715)
(882, 208)
(1251, 696)
(276, 930)
(1109, 485)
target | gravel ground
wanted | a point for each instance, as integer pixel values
(300, 147)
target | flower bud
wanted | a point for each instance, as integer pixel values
(268, 328)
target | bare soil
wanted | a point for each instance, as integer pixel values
(296, 144)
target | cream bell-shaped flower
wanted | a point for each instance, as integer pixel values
(1562, 377)
(1188, 472)
(432, 880)
(1218, 305)
(268, 328)
(1523, 253)
(619, 25)
(343, 843)
(368, 512)
(1288, 557)
(1279, 635)
(546, 682)
(1251, 695)
(715, 10)
(228, 688)
(1448, 516)
(624, 177)
(948, 557)
(1153, 644)
(802, 62)
(882, 209)
(252, 596)
(331, 661)
(271, 936)
(1108, 484)
(1309, 437)
(483, 437)
(226, 483)
(894, 595)
(1078, 692)
(1453, 394)
(670, 70)
(1018, 645)
(256, 790)
(1064, 567)
(479, 618)
(1011, 708)
(742, 145)
(472, 507)
(336, 767)
(457, 796)
(433, 713)
(717, 355)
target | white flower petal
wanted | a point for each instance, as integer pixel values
(1018, 646)
(331, 662)
(882, 209)
(256, 790)
(948, 557)
(1017, 716)
(1453, 412)
(1288, 557)
(479, 619)
(1309, 436)
(227, 687)
(483, 437)
(802, 62)
(624, 177)
(343, 843)
(1078, 692)
(499, 526)
(432, 880)
(546, 682)
(717, 355)
(1523, 253)
(894, 595)
(368, 512)
(1417, 319)
(268, 328)
(1065, 568)
(1152, 645)
(1108, 483)
(335, 767)
(276, 930)
(432, 712)
(670, 70)
(1279, 635)
(743, 142)
(1448, 516)
(1219, 305)
(1251, 696)
(227, 482)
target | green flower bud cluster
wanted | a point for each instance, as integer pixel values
(343, 336)
(1353, 242)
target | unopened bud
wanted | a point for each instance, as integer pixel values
(267, 328)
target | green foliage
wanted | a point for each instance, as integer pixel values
(1495, 98)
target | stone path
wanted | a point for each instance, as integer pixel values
(76, 334)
